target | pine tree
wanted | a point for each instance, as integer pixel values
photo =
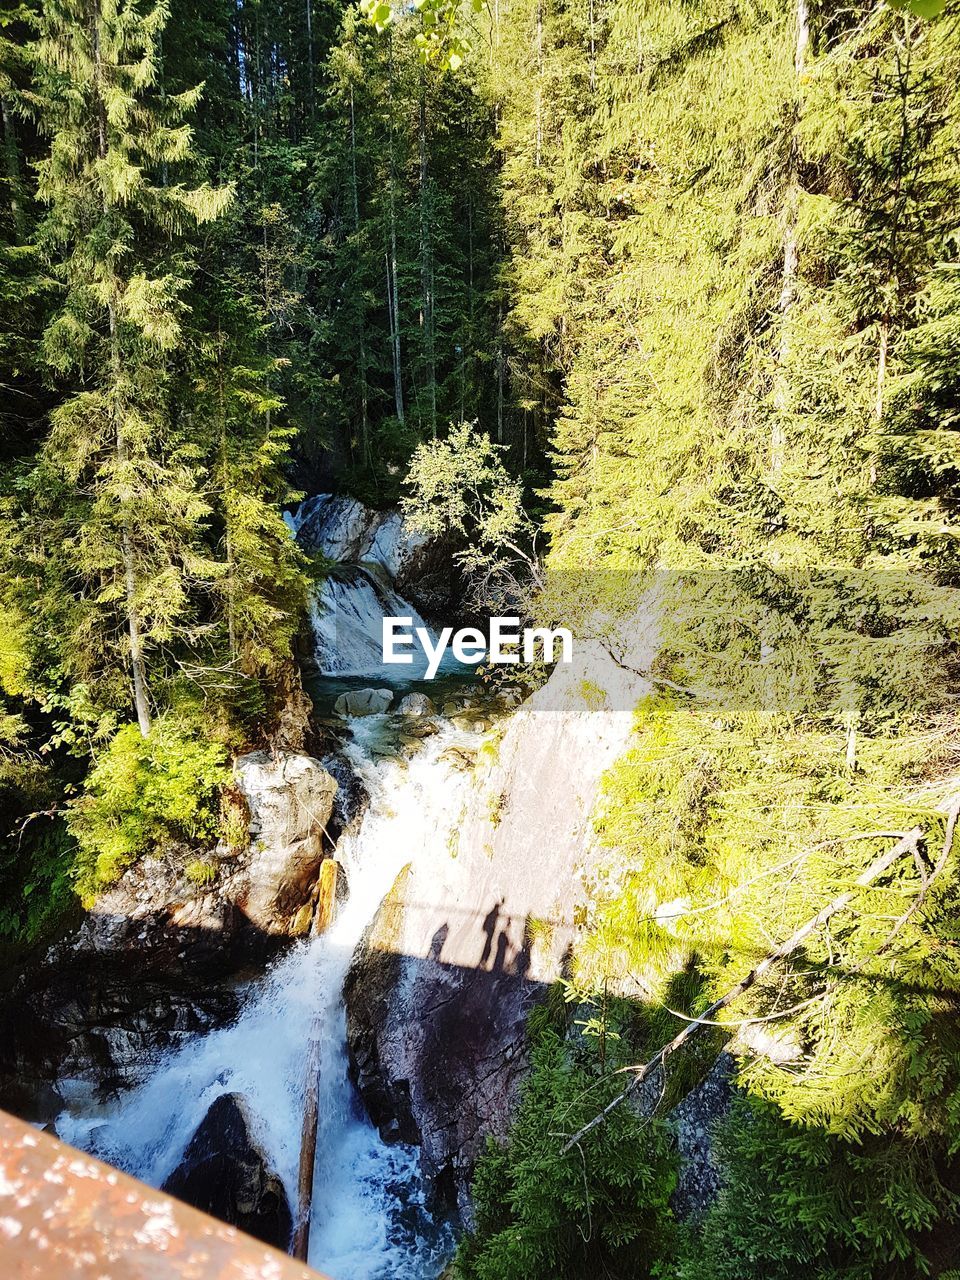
(115, 236)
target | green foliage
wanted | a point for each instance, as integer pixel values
(200, 873)
(143, 794)
(459, 487)
(601, 1209)
(800, 1202)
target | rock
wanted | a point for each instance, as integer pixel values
(363, 702)
(415, 704)
(420, 729)
(694, 1122)
(347, 531)
(153, 961)
(291, 798)
(450, 709)
(474, 935)
(464, 723)
(225, 1173)
(351, 797)
(302, 921)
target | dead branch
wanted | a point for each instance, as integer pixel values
(909, 843)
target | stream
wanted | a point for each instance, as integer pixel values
(370, 1218)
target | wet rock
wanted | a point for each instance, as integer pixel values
(694, 1122)
(415, 704)
(102, 1019)
(347, 531)
(363, 702)
(421, 729)
(154, 960)
(225, 1173)
(291, 798)
(351, 797)
(302, 921)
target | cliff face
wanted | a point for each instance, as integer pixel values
(439, 992)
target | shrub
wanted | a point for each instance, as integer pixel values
(602, 1209)
(200, 873)
(143, 793)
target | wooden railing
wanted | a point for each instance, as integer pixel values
(64, 1214)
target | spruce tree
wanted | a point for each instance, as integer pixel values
(115, 233)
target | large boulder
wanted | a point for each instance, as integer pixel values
(225, 1173)
(344, 530)
(290, 798)
(415, 704)
(474, 933)
(153, 961)
(363, 702)
(348, 532)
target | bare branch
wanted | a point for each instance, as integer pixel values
(908, 844)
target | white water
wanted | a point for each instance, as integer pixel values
(347, 620)
(369, 1222)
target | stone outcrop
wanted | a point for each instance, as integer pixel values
(291, 799)
(153, 961)
(439, 993)
(344, 530)
(694, 1122)
(225, 1173)
(347, 531)
(363, 702)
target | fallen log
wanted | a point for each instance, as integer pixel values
(323, 918)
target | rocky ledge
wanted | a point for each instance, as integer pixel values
(156, 958)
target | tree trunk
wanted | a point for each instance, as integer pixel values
(11, 157)
(141, 696)
(364, 398)
(791, 257)
(538, 152)
(393, 292)
(426, 266)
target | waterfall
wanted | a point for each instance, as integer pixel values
(370, 1219)
(347, 621)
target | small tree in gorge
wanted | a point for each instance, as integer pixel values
(460, 487)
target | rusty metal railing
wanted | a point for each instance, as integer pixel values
(64, 1214)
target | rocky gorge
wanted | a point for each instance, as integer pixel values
(459, 829)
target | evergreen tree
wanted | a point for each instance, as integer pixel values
(115, 463)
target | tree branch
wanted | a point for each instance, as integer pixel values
(909, 843)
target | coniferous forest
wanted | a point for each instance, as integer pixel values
(634, 304)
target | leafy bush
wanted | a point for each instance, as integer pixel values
(799, 1201)
(143, 793)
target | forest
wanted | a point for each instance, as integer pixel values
(678, 281)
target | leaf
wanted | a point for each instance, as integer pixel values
(922, 8)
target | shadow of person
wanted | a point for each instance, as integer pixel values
(437, 942)
(500, 959)
(490, 928)
(524, 956)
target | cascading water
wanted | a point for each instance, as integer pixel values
(369, 1219)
